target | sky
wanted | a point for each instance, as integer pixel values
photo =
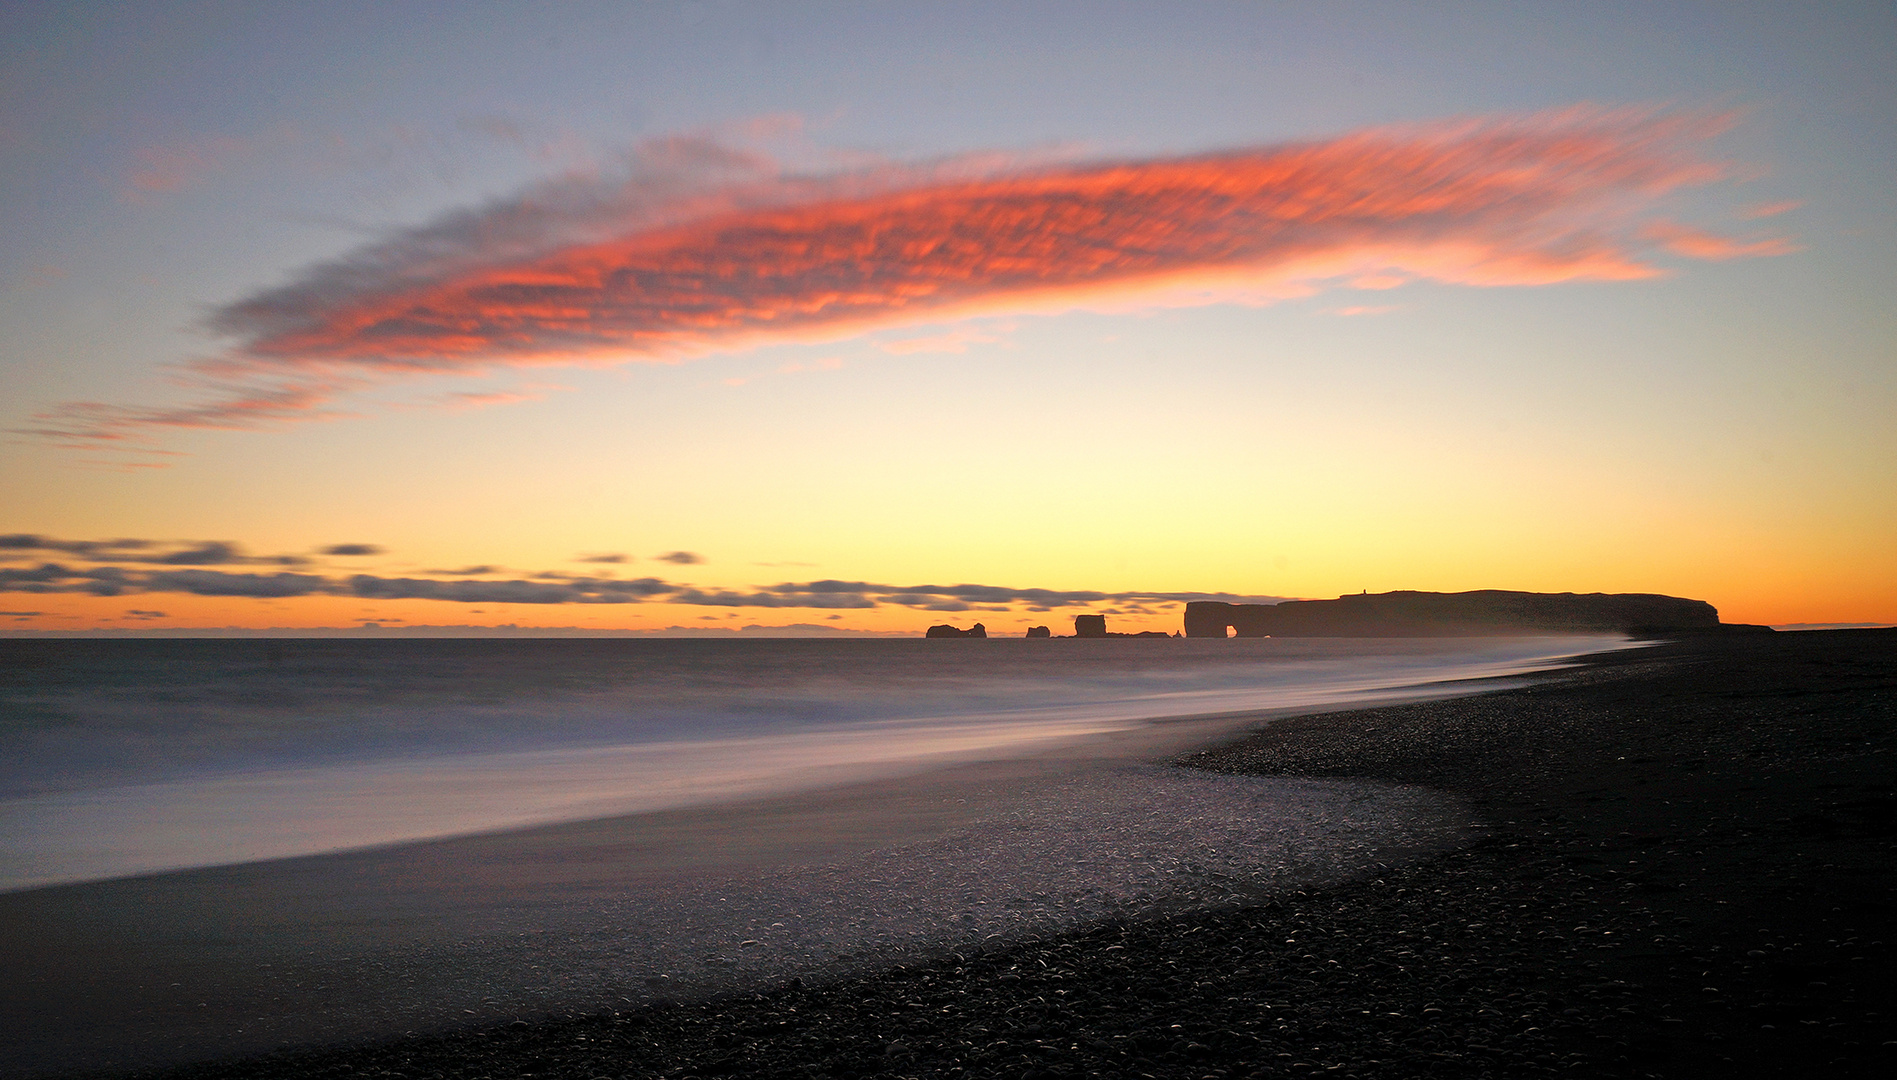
(853, 318)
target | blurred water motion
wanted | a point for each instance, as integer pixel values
(127, 757)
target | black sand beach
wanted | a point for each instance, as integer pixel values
(1686, 868)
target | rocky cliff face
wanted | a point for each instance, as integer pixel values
(1425, 614)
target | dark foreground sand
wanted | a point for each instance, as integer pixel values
(1689, 868)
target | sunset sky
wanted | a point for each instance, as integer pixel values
(863, 317)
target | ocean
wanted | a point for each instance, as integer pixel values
(122, 757)
(212, 847)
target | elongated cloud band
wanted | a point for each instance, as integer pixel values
(122, 567)
(704, 248)
(49, 578)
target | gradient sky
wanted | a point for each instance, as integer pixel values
(868, 316)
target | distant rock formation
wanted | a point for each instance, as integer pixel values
(945, 630)
(1040, 631)
(1095, 626)
(1470, 614)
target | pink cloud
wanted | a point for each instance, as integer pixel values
(231, 406)
(160, 170)
(1697, 244)
(1772, 209)
(468, 400)
(701, 247)
(1378, 281)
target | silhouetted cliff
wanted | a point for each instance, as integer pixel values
(1426, 614)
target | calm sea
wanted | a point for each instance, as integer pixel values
(126, 757)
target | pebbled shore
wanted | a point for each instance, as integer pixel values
(1689, 869)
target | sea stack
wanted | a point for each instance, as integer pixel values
(945, 630)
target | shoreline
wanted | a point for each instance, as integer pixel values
(1737, 814)
(353, 948)
(289, 809)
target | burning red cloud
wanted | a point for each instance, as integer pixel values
(715, 251)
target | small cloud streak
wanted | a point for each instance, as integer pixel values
(1697, 244)
(1365, 309)
(161, 170)
(681, 558)
(698, 247)
(352, 549)
(954, 341)
(469, 400)
(1771, 209)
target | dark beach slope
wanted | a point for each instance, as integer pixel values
(1688, 870)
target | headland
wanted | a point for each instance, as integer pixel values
(1408, 613)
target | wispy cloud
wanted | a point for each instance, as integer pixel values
(1771, 209)
(236, 398)
(952, 341)
(467, 400)
(697, 246)
(1699, 244)
(161, 170)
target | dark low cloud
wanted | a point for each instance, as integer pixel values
(569, 591)
(41, 574)
(213, 553)
(614, 557)
(219, 583)
(352, 549)
(733, 599)
(965, 597)
(153, 573)
(154, 552)
(100, 549)
(682, 558)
